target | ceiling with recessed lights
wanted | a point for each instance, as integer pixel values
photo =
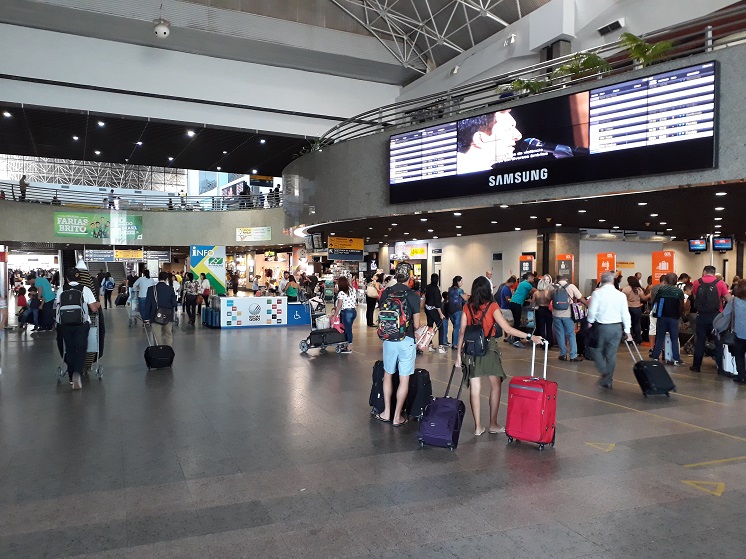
(684, 212)
(85, 136)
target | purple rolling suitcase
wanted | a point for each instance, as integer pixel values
(441, 423)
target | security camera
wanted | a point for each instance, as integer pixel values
(162, 28)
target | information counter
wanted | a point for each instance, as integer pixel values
(248, 312)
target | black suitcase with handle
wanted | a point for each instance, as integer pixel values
(157, 356)
(652, 376)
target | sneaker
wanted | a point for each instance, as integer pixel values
(431, 348)
(442, 349)
(678, 363)
(518, 344)
(76, 381)
(346, 350)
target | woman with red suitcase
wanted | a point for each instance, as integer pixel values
(481, 310)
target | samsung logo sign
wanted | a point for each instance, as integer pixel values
(519, 177)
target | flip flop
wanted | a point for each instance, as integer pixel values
(400, 424)
(379, 418)
(498, 431)
(480, 432)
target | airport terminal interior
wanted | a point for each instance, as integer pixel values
(272, 166)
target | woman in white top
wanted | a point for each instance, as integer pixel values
(346, 309)
(372, 293)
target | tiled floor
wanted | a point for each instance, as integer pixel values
(250, 449)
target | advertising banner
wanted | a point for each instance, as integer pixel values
(525, 264)
(209, 260)
(566, 266)
(245, 312)
(114, 227)
(605, 262)
(662, 264)
(410, 251)
(345, 248)
(129, 254)
(248, 234)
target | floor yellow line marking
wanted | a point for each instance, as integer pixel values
(707, 429)
(633, 384)
(713, 462)
(712, 487)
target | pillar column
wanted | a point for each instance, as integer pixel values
(554, 241)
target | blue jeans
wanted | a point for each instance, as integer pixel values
(566, 335)
(444, 332)
(29, 313)
(141, 307)
(348, 316)
(670, 325)
(456, 320)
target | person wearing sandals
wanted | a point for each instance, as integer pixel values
(481, 308)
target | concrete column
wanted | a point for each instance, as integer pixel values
(554, 241)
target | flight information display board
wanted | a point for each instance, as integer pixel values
(664, 123)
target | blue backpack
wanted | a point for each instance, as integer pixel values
(455, 301)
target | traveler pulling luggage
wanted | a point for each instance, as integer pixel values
(157, 356)
(652, 376)
(532, 406)
(443, 418)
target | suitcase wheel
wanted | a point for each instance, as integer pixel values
(510, 440)
(303, 346)
(541, 447)
(422, 444)
(338, 349)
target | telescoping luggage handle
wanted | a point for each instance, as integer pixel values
(533, 358)
(460, 386)
(150, 335)
(637, 349)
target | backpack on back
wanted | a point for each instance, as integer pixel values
(560, 298)
(475, 342)
(109, 285)
(497, 293)
(455, 301)
(72, 306)
(394, 316)
(708, 300)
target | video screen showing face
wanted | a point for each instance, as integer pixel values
(553, 129)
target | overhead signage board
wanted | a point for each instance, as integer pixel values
(345, 248)
(128, 254)
(566, 266)
(160, 255)
(410, 251)
(94, 255)
(250, 234)
(663, 263)
(117, 228)
(663, 123)
(209, 260)
(605, 262)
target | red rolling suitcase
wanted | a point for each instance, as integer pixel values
(532, 407)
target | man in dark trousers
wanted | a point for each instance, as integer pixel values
(74, 325)
(161, 295)
(709, 294)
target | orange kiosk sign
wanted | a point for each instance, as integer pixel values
(526, 264)
(605, 262)
(566, 266)
(663, 263)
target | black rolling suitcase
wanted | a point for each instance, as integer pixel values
(121, 300)
(157, 356)
(326, 336)
(420, 393)
(652, 376)
(376, 392)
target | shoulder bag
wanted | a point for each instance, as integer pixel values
(162, 315)
(729, 338)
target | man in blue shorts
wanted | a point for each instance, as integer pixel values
(401, 352)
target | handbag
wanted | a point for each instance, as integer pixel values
(199, 300)
(162, 315)
(578, 311)
(729, 338)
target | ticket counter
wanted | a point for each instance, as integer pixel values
(249, 312)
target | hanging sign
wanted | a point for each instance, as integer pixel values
(662, 264)
(248, 234)
(94, 255)
(128, 254)
(566, 266)
(525, 264)
(209, 260)
(345, 248)
(605, 262)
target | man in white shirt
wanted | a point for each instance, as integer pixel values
(488, 275)
(284, 281)
(609, 315)
(564, 294)
(143, 283)
(75, 330)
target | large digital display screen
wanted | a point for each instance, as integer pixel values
(659, 124)
(722, 243)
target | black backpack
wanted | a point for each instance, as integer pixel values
(72, 306)
(708, 300)
(475, 342)
(455, 300)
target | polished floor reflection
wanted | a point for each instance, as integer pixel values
(250, 449)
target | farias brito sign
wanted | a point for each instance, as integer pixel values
(117, 228)
(209, 260)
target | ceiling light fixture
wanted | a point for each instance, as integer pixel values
(718, 226)
(601, 220)
(406, 233)
(423, 219)
(458, 234)
(430, 230)
(224, 152)
(720, 193)
(459, 226)
(170, 158)
(190, 133)
(139, 143)
(370, 228)
(254, 171)
(533, 217)
(642, 203)
(493, 222)
(718, 219)
(503, 206)
(332, 234)
(615, 227)
(6, 114)
(558, 225)
(394, 224)
(218, 168)
(76, 138)
(669, 229)
(581, 211)
(457, 214)
(262, 141)
(719, 209)
(664, 223)
(517, 228)
(435, 237)
(653, 215)
(97, 152)
(101, 123)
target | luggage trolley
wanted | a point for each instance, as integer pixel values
(321, 337)
(93, 347)
(134, 311)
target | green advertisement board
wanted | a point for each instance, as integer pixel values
(115, 227)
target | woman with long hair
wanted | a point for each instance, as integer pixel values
(737, 305)
(291, 289)
(636, 298)
(372, 293)
(434, 312)
(191, 290)
(456, 300)
(482, 309)
(541, 299)
(346, 308)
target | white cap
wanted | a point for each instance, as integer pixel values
(81, 265)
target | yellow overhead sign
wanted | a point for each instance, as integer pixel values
(347, 243)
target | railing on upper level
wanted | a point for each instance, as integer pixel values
(715, 31)
(137, 201)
